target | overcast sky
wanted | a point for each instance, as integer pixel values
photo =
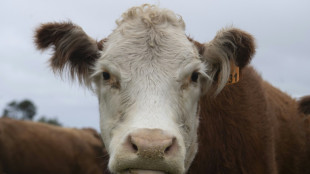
(281, 29)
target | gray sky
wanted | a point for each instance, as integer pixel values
(281, 29)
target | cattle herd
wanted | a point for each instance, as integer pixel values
(168, 105)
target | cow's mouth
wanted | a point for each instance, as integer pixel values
(139, 171)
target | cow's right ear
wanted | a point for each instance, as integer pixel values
(73, 49)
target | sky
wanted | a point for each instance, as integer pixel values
(281, 29)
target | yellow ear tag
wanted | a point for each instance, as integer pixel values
(234, 73)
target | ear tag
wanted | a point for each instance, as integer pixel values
(234, 73)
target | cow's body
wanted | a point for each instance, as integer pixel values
(37, 148)
(155, 85)
(252, 128)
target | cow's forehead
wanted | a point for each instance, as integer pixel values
(153, 51)
(149, 38)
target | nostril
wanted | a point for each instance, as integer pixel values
(170, 147)
(134, 147)
(131, 145)
(167, 149)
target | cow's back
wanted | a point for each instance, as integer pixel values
(36, 148)
(291, 131)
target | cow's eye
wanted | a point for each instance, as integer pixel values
(106, 75)
(195, 76)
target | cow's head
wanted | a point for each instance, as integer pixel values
(149, 77)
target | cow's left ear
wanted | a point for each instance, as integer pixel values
(231, 50)
(73, 49)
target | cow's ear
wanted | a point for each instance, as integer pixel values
(73, 49)
(304, 105)
(231, 50)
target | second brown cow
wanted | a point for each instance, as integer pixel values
(37, 148)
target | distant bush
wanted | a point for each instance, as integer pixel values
(26, 110)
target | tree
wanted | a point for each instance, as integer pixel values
(24, 110)
(52, 121)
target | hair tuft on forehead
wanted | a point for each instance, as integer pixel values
(152, 15)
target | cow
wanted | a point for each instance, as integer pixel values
(172, 105)
(37, 148)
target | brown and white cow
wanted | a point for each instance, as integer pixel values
(155, 86)
(37, 148)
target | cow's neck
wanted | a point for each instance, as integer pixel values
(228, 129)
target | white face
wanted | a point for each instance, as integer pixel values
(144, 82)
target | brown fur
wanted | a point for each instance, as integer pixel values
(73, 49)
(249, 127)
(37, 148)
(237, 44)
(252, 127)
(304, 105)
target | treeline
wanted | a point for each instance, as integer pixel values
(26, 110)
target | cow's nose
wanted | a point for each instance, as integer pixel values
(151, 143)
